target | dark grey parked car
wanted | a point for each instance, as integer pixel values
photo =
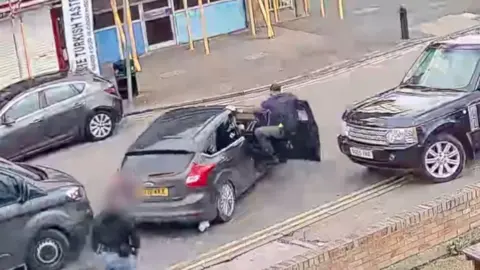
(194, 163)
(44, 217)
(54, 109)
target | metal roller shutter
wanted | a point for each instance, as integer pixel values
(9, 71)
(40, 41)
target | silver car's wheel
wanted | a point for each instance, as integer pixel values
(100, 126)
(443, 158)
(225, 201)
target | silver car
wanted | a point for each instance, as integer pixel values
(55, 109)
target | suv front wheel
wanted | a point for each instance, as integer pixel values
(48, 250)
(443, 158)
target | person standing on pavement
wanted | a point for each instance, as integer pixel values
(283, 121)
(114, 235)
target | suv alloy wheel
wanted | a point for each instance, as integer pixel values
(443, 158)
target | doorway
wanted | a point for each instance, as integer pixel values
(158, 24)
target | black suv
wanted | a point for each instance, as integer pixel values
(44, 217)
(429, 123)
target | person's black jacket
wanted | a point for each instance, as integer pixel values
(115, 232)
(283, 110)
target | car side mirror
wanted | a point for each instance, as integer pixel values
(7, 121)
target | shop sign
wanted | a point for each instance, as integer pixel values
(79, 35)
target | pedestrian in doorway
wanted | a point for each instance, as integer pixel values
(114, 235)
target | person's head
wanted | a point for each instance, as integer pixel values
(275, 89)
(121, 192)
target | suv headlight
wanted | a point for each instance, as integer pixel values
(402, 135)
(345, 128)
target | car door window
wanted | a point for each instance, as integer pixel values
(59, 93)
(29, 104)
(9, 189)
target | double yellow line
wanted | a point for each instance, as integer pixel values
(238, 247)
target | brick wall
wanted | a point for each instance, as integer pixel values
(399, 237)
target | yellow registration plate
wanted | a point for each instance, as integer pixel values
(155, 192)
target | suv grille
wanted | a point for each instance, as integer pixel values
(375, 136)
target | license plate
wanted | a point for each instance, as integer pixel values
(361, 153)
(155, 192)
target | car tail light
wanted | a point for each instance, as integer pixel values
(198, 176)
(75, 193)
(111, 90)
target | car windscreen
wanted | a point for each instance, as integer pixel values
(444, 67)
(159, 163)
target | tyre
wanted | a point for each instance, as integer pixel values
(48, 250)
(99, 126)
(443, 158)
(225, 201)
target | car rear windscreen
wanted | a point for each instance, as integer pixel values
(160, 164)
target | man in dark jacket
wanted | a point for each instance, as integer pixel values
(283, 121)
(114, 235)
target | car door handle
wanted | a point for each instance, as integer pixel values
(38, 120)
(78, 104)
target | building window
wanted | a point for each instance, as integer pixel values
(105, 19)
(178, 4)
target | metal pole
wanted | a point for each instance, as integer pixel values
(128, 67)
(404, 23)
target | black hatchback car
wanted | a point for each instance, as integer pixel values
(429, 123)
(44, 217)
(193, 163)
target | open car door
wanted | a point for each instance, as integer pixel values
(305, 143)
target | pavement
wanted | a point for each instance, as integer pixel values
(238, 61)
(450, 263)
(291, 189)
(351, 221)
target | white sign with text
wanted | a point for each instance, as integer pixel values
(79, 35)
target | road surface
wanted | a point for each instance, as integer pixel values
(292, 188)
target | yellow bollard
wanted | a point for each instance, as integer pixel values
(275, 10)
(252, 18)
(189, 27)
(322, 8)
(136, 63)
(340, 9)
(270, 33)
(204, 28)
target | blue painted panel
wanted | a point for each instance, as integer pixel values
(107, 46)
(138, 35)
(107, 43)
(221, 18)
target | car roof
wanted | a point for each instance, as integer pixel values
(177, 129)
(11, 91)
(462, 40)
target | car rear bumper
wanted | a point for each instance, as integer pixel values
(383, 156)
(193, 208)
